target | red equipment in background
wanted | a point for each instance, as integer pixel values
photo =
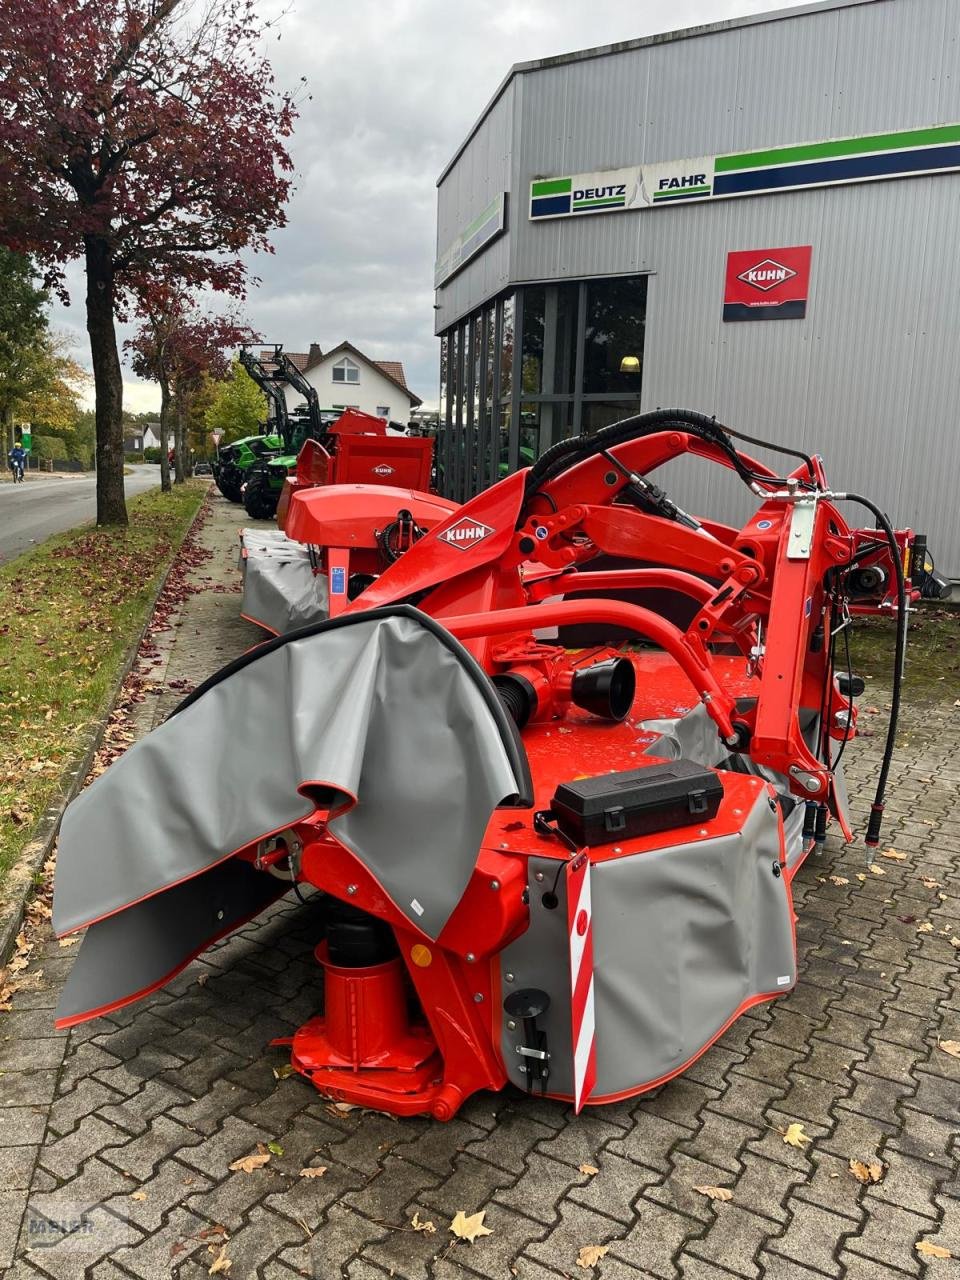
(362, 452)
(325, 517)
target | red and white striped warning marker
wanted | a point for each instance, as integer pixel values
(580, 928)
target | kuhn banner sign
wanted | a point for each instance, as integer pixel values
(866, 158)
(767, 284)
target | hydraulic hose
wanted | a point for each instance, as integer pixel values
(567, 453)
(872, 838)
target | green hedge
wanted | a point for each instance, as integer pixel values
(49, 448)
(82, 453)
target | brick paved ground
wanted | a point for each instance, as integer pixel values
(130, 1122)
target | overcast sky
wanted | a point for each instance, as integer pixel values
(396, 85)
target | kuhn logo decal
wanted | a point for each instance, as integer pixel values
(465, 533)
(382, 470)
(766, 275)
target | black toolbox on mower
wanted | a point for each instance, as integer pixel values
(637, 802)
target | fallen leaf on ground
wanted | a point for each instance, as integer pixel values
(929, 883)
(275, 1148)
(221, 1262)
(247, 1164)
(203, 979)
(466, 1227)
(282, 1073)
(794, 1136)
(861, 876)
(955, 942)
(591, 1254)
(838, 880)
(866, 1173)
(317, 1172)
(340, 1108)
(950, 1046)
(926, 927)
(929, 1250)
(928, 822)
(875, 870)
(69, 942)
(426, 1227)
(893, 854)
(589, 1168)
(138, 1195)
(715, 1193)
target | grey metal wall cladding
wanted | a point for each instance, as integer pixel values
(485, 170)
(871, 377)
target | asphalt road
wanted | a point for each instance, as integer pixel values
(40, 507)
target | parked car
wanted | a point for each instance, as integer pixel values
(203, 469)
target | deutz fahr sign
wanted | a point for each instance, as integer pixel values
(767, 284)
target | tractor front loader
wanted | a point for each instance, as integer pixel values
(564, 868)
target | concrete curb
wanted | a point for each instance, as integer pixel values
(22, 876)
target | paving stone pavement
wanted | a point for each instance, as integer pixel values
(127, 1125)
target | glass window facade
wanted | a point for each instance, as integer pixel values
(579, 366)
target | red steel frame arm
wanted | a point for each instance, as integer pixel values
(617, 613)
(622, 580)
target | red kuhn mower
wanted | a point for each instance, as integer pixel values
(550, 776)
(373, 470)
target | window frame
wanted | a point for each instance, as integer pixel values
(469, 435)
(346, 366)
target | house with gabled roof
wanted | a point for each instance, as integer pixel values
(345, 378)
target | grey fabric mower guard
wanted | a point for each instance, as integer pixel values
(381, 717)
(281, 592)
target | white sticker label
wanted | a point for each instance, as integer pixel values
(417, 907)
(783, 980)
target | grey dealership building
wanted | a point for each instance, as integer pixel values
(618, 220)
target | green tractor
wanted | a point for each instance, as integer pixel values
(263, 483)
(235, 460)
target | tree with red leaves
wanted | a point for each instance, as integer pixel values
(145, 136)
(177, 346)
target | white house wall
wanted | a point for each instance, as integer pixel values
(372, 391)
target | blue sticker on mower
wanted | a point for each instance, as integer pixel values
(338, 581)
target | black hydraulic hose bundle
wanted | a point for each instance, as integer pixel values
(567, 453)
(872, 838)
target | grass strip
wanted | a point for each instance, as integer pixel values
(69, 612)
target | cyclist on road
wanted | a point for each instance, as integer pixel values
(17, 459)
